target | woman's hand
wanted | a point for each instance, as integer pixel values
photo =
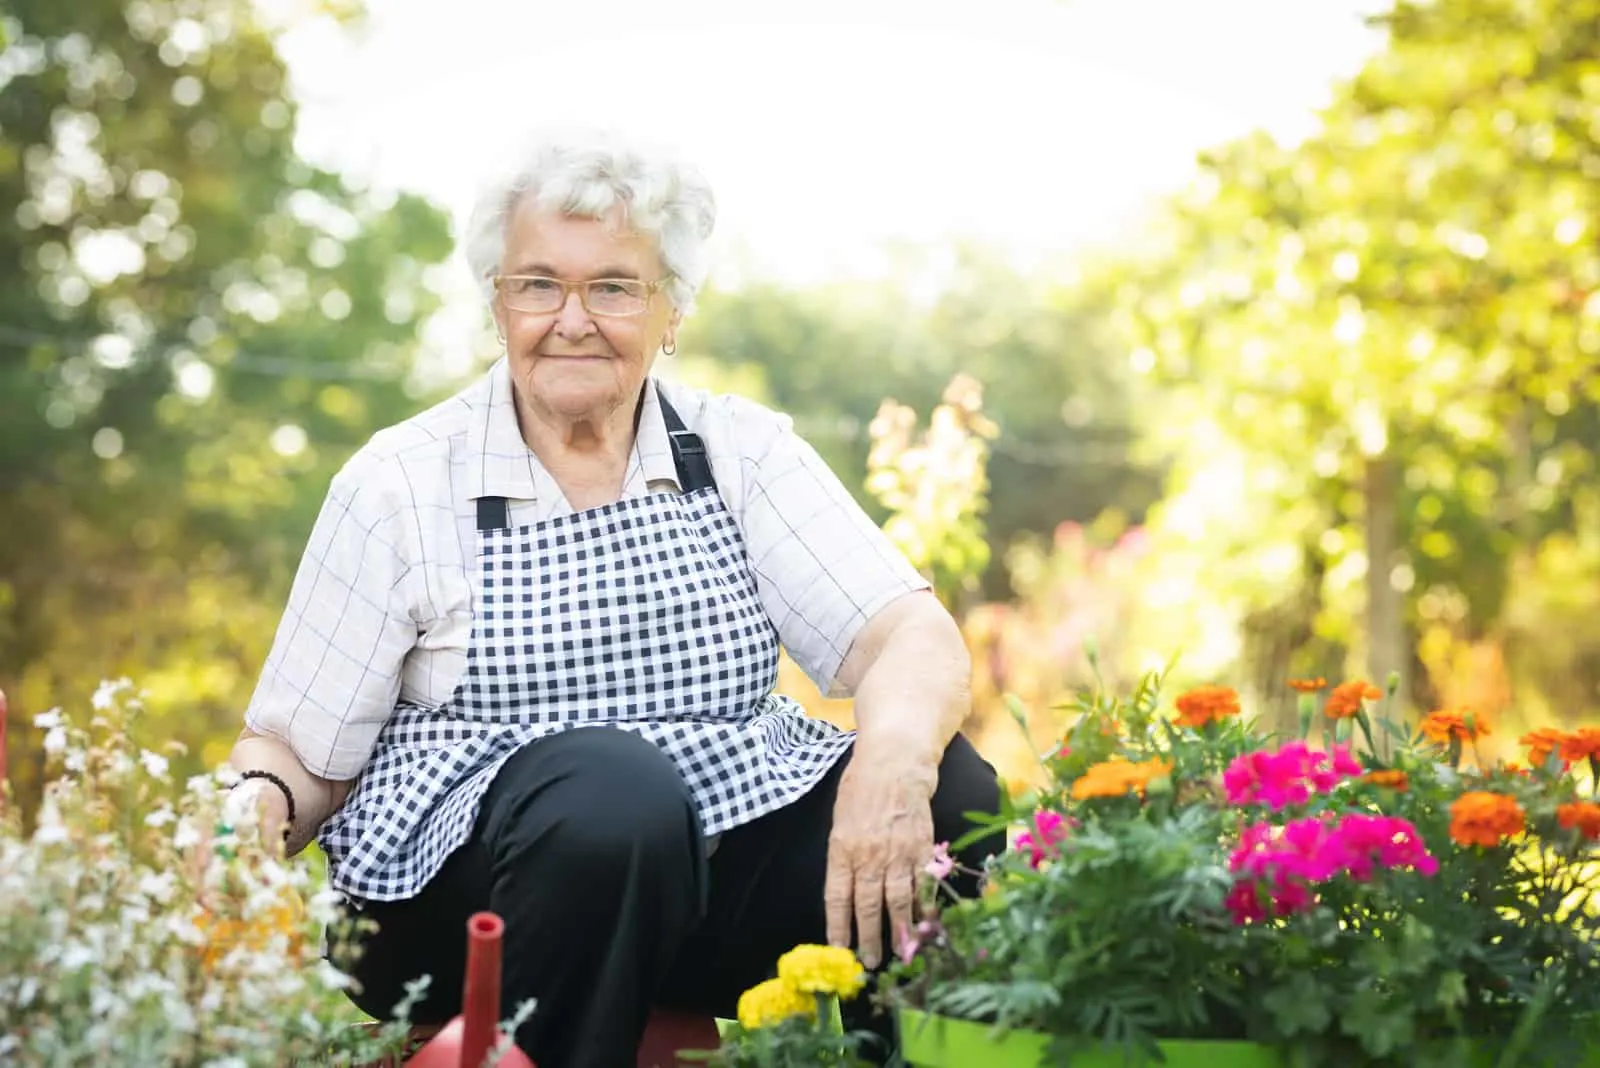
(910, 675)
(882, 836)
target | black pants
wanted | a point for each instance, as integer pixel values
(589, 847)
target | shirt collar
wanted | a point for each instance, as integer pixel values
(501, 464)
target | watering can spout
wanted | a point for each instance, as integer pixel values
(467, 1041)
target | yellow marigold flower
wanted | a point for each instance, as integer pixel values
(1443, 725)
(1345, 700)
(1118, 776)
(772, 1002)
(221, 934)
(1581, 744)
(822, 970)
(1480, 817)
(1206, 704)
(1389, 779)
(1312, 685)
(1541, 743)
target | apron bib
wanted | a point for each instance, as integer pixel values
(641, 615)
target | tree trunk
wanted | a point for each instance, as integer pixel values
(1386, 639)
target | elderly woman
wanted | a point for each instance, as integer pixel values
(573, 542)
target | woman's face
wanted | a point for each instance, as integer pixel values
(569, 363)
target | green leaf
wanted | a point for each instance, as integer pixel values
(1298, 1006)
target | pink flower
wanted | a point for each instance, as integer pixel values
(906, 946)
(1244, 901)
(1049, 828)
(1287, 776)
(1368, 842)
(942, 863)
(1288, 862)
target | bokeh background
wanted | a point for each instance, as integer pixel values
(1262, 334)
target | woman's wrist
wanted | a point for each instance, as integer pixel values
(912, 755)
(263, 801)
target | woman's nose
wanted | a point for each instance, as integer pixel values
(573, 320)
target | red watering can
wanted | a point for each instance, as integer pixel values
(465, 1042)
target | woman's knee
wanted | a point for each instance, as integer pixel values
(590, 801)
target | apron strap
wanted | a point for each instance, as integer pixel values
(493, 514)
(688, 451)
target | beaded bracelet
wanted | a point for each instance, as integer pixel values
(288, 794)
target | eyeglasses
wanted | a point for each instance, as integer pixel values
(541, 294)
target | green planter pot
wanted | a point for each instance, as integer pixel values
(939, 1042)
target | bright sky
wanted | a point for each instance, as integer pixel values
(832, 126)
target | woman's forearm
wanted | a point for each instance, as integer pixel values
(315, 798)
(914, 689)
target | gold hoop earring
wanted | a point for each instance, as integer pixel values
(669, 348)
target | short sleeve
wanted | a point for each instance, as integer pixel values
(333, 674)
(822, 567)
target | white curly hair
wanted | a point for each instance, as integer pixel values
(587, 175)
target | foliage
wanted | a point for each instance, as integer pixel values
(1374, 898)
(792, 1020)
(1035, 343)
(1382, 340)
(141, 922)
(935, 487)
(196, 329)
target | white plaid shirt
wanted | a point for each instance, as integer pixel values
(381, 609)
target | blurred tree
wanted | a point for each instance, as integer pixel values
(1379, 345)
(196, 329)
(1039, 351)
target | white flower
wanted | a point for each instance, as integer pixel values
(158, 887)
(323, 906)
(49, 720)
(180, 1015)
(75, 761)
(50, 833)
(155, 765)
(227, 1062)
(103, 1002)
(332, 978)
(106, 695)
(185, 931)
(56, 740)
(75, 956)
(186, 836)
(160, 817)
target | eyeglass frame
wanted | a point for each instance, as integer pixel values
(567, 288)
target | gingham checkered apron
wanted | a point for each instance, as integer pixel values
(642, 616)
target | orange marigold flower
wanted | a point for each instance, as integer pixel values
(1581, 744)
(1388, 779)
(1118, 776)
(1308, 685)
(1345, 700)
(1206, 704)
(1480, 817)
(1443, 725)
(1541, 743)
(1584, 815)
